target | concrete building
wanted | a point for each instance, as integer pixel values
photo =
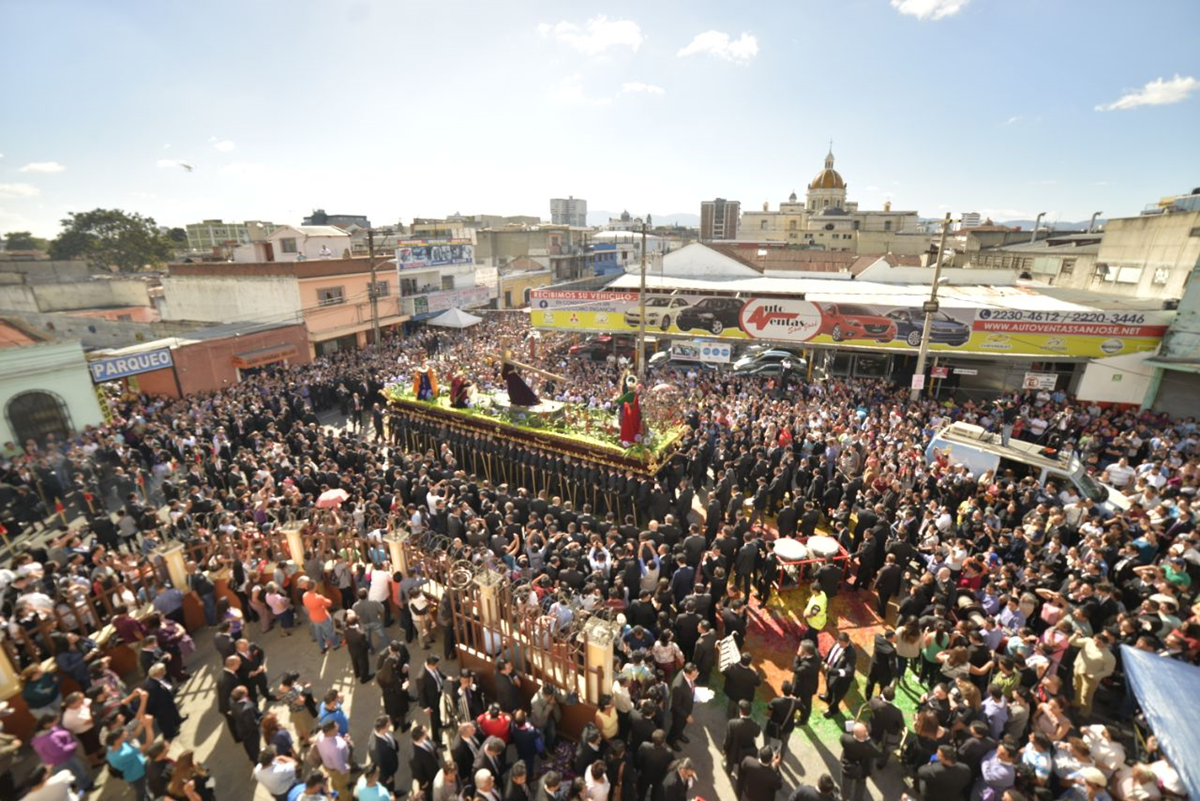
(1151, 255)
(319, 217)
(331, 297)
(719, 219)
(618, 251)
(219, 237)
(562, 249)
(1066, 259)
(205, 360)
(45, 390)
(568, 211)
(626, 222)
(297, 243)
(827, 220)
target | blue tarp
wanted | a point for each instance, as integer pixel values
(1169, 693)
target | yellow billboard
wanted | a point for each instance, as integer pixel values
(1000, 332)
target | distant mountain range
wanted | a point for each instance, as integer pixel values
(1057, 225)
(601, 217)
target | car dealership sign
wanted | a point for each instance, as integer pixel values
(114, 367)
(843, 321)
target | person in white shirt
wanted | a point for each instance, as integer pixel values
(277, 774)
(52, 787)
(1118, 475)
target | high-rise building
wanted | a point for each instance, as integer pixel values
(719, 219)
(568, 211)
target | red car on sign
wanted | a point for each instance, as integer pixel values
(846, 321)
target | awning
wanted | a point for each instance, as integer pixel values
(1169, 693)
(257, 358)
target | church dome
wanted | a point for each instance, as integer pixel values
(828, 178)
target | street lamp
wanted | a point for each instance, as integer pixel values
(930, 307)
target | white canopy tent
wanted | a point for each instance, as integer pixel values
(455, 318)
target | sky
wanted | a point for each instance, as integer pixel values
(400, 109)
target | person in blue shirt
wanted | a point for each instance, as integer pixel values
(128, 756)
(331, 709)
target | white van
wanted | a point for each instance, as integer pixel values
(979, 451)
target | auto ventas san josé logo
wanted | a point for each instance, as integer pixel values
(791, 319)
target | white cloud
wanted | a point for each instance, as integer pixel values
(1159, 92)
(243, 170)
(929, 9)
(717, 43)
(19, 190)
(1013, 120)
(167, 163)
(223, 145)
(570, 92)
(638, 86)
(598, 34)
(43, 166)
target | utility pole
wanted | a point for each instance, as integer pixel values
(931, 307)
(374, 288)
(641, 344)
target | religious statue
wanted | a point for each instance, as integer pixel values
(629, 412)
(461, 389)
(519, 393)
(425, 383)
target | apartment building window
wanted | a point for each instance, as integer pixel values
(1068, 266)
(288, 245)
(447, 282)
(408, 286)
(887, 225)
(762, 225)
(380, 289)
(331, 296)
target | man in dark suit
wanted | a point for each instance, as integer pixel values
(508, 686)
(683, 502)
(704, 654)
(226, 682)
(677, 782)
(687, 628)
(806, 673)
(741, 737)
(642, 724)
(788, 520)
(550, 787)
(741, 681)
(887, 584)
(882, 668)
(246, 717)
(223, 640)
(385, 751)
(466, 746)
(491, 757)
(252, 672)
(653, 762)
(858, 754)
(944, 780)
(887, 724)
(683, 579)
(683, 690)
(160, 702)
(733, 618)
(840, 663)
(746, 563)
(424, 760)
(429, 693)
(758, 776)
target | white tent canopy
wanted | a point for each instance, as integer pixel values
(455, 318)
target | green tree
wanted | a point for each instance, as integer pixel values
(23, 240)
(178, 236)
(112, 239)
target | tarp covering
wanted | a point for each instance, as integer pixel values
(1169, 693)
(455, 318)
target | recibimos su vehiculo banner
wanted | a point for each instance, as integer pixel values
(986, 331)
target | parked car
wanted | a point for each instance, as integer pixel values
(844, 321)
(944, 329)
(711, 314)
(759, 368)
(772, 356)
(660, 312)
(600, 347)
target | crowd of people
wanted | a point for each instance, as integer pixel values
(1001, 600)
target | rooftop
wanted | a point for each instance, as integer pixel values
(313, 268)
(222, 331)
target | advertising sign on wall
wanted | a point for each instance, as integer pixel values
(413, 253)
(1040, 381)
(114, 367)
(699, 350)
(1005, 332)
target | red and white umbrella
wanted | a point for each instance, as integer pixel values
(332, 499)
